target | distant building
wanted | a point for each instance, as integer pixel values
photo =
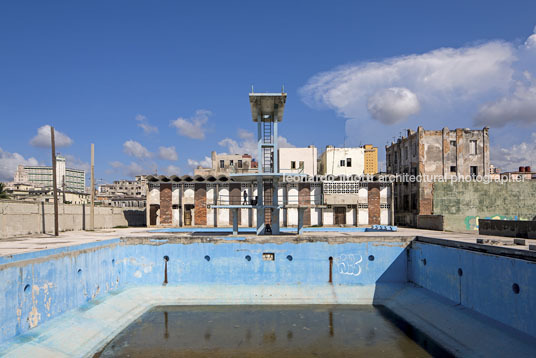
(298, 160)
(371, 159)
(227, 164)
(124, 193)
(444, 153)
(72, 180)
(342, 161)
(29, 192)
(134, 188)
(524, 173)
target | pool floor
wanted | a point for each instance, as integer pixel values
(276, 331)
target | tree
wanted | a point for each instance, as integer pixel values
(3, 194)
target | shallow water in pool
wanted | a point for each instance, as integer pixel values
(261, 331)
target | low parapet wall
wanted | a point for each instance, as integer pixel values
(430, 222)
(508, 228)
(19, 218)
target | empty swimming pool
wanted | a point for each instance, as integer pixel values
(73, 301)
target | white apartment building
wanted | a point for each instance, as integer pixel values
(73, 180)
(342, 161)
(298, 160)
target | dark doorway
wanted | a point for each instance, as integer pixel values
(153, 214)
(340, 215)
(188, 214)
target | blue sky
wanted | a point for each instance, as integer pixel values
(158, 85)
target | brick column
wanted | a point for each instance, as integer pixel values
(166, 217)
(200, 200)
(374, 203)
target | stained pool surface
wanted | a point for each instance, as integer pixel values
(275, 331)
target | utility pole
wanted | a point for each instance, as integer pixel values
(92, 209)
(54, 181)
(63, 188)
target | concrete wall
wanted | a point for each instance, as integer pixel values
(508, 228)
(41, 285)
(463, 204)
(26, 218)
(482, 282)
(430, 222)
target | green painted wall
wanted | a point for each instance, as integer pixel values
(463, 204)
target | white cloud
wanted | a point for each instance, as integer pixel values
(143, 123)
(205, 163)
(42, 138)
(531, 41)
(167, 153)
(511, 158)
(393, 105)
(434, 78)
(172, 170)
(192, 127)
(135, 149)
(10, 161)
(134, 169)
(77, 163)
(519, 107)
(116, 164)
(248, 144)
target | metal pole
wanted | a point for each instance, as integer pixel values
(92, 209)
(54, 181)
(392, 203)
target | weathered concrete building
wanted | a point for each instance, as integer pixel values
(191, 201)
(298, 160)
(429, 154)
(342, 161)
(227, 164)
(132, 188)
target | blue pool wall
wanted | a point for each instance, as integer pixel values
(37, 287)
(479, 281)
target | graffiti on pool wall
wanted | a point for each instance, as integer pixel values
(471, 222)
(348, 264)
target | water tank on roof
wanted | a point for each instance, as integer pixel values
(521, 169)
(527, 169)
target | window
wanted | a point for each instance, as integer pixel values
(231, 163)
(472, 147)
(453, 143)
(222, 164)
(406, 152)
(474, 171)
(292, 165)
(453, 169)
(302, 164)
(348, 162)
(240, 164)
(342, 163)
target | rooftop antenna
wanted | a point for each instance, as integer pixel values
(252, 89)
(283, 89)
